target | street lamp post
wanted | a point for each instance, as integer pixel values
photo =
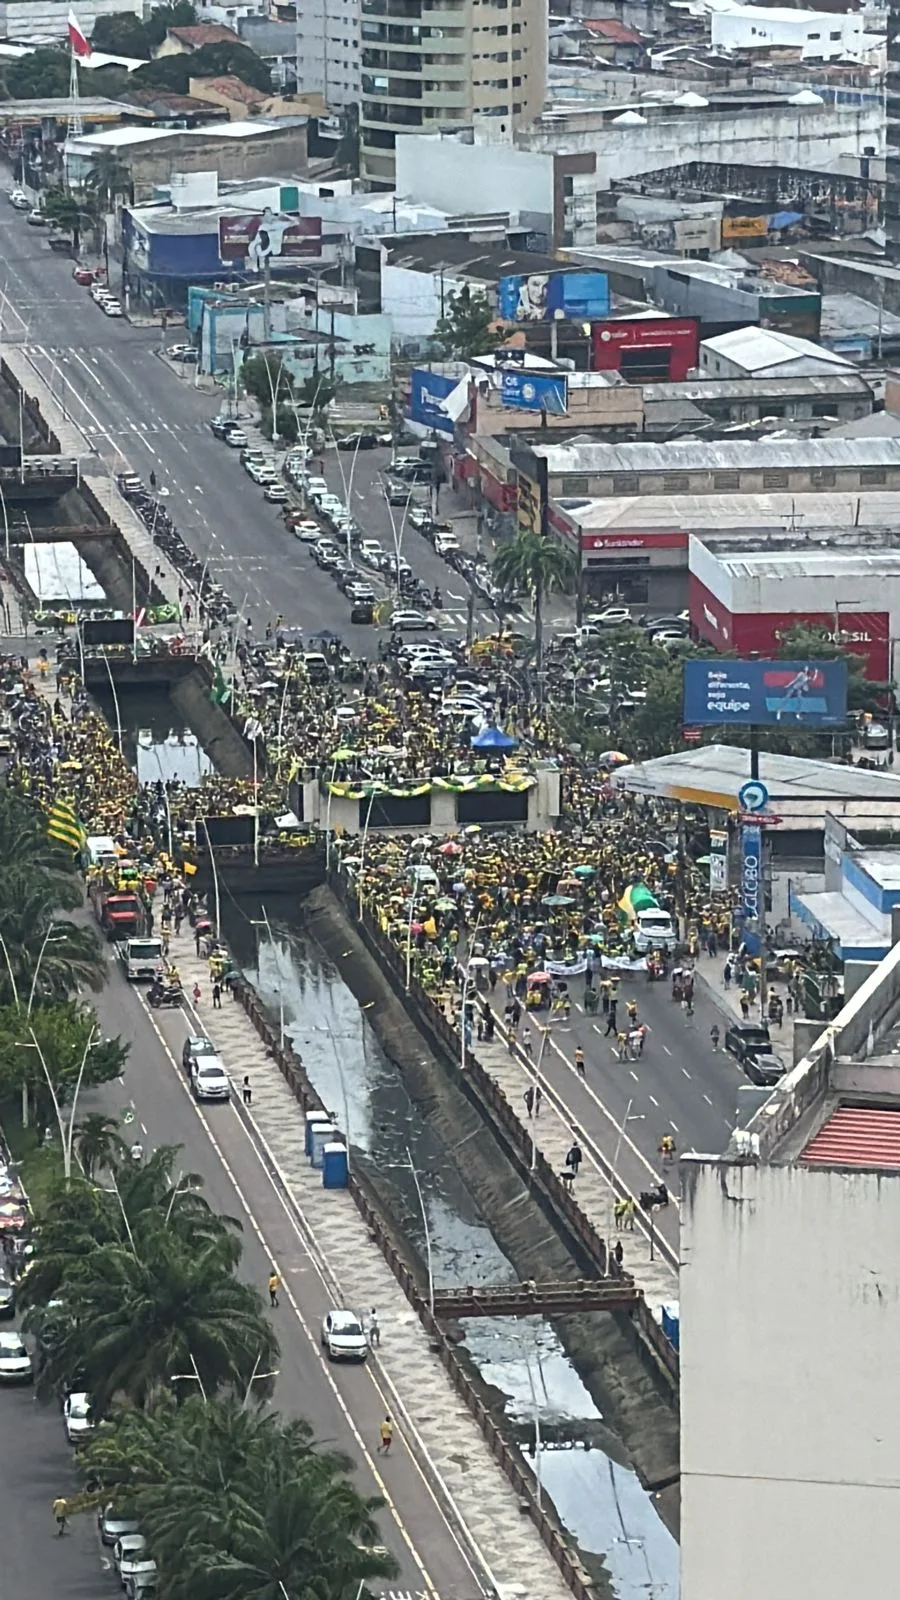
(429, 1263)
(467, 978)
(66, 1130)
(215, 878)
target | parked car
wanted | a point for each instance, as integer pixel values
(307, 532)
(412, 469)
(113, 308)
(275, 493)
(77, 1417)
(343, 1336)
(113, 1525)
(140, 1581)
(7, 1297)
(766, 1069)
(327, 554)
(745, 1039)
(397, 494)
(36, 218)
(129, 1552)
(185, 353)
(83, 275)
(612, 617)
(371, 552)
(220, 427)
(236, 439)
(15, 1362)
(19, 200)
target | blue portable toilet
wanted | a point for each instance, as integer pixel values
(335, 1166)
(671, 1323)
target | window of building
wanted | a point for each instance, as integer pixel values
(776, 480)
(576, 485)
(834, 37)
(624, 483)
(728, 481)
(823, 409)
(823, 478)
(872, 477)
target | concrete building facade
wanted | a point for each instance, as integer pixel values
(328, 50)
(430, 65)
(892, 135)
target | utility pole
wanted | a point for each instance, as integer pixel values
(267, 310)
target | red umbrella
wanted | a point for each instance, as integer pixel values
(451, 848)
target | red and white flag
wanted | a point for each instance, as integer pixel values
(79, 42)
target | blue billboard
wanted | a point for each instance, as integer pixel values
(752, 886)
(427, 392)
(766, 694)
(530, 391)
(543, 296)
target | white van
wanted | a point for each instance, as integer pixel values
(654, 930)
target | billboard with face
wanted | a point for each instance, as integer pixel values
(544, 296)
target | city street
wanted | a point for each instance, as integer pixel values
(141, 414)
(343, 1404)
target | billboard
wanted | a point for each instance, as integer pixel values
(427, 392)
(265, 236)
(808, 694)
(668, 347)
(529, 391)
(718, 861)
(542, 296)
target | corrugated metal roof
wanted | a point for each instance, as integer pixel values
(733, 455)
(754, 348)
(800, 564)
(856, 1136)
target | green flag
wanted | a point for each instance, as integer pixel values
(220, 691)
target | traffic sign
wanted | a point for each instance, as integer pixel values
(759, 819)
(753, 796)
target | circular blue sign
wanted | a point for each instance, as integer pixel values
(753, 796)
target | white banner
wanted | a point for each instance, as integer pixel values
(624, 963)
(566, 969)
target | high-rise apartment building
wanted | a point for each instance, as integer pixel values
(440, 65)
(328, 50)
(892, 132)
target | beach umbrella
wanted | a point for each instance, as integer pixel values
(584, 872)
(492, 738)
(558, 900)
(613, 758)
(451, 848)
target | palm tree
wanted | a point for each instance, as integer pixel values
(56, 954)
(108, 179)
(99, 1144)
(26, 845)
(535, 564)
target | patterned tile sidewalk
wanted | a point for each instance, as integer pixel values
(423, 1394)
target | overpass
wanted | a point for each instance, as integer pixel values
(564, 1299)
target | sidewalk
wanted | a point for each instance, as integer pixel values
(710, 969)
(432, 1412)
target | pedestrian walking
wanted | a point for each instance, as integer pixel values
(714, 1036)
(246, 1091)
(528, 1097)
(527, 1045)
(635, 1042)
(579, 1061)
(60, 1513)
(374, 1329)
(619, 1214)
(745, 1006)
(574, 1158)
(217, 996)
(196, 993)
(610, 1022)
(386, 1435)
(618, 1252)
(628, 1214)
(274, 1286)
(726, 974)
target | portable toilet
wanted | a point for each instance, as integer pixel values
(671, 1323)
(335, 1166)
(313, 1119)
(323, 1133)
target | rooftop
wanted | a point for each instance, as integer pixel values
(783, 564)
(869, 517)
(856, 1136)
(234, 88)
(755, 349)
(203, 33)
(723, 455)
(823, 384)
(720, 770)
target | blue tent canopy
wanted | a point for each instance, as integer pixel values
(493, 739)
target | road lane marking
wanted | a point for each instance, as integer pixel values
(667, 1050)
(707, 1099)
(685, 1071)
(320, 1265)
(653, 1101)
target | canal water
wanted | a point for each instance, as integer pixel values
(598, 1498)
(155, 742)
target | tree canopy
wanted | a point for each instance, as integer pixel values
(173, 73)
(124, 34)
(42, 75)
(534, 564)
(468, 326)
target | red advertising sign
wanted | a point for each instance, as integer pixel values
(635, 539)
(751, 633)
(677, 339)
(268, 236)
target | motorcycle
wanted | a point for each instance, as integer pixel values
(651, 1199)
(436, 600)
(165, 994)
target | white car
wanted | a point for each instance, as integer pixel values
(112, 1526)
(139, 1582)
(209, 1080)
(611, 617)
(77, 1417)
(128, 1549)
(236, 439)
(412, 622)
(343, 1336)
(100, 292)
(112, 308)
(307, 532)
(275, 493)
(15, 1362)
(316, 486)
(371, 552)
(19, 200)
(446, 543)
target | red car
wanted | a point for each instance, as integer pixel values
(82, 275)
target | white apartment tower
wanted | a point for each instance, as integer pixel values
(328, 50)
(443, 65)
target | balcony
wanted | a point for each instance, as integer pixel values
(390, 61)
(399, 10)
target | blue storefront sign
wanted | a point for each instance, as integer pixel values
(542, 296)
(427, 391)
(808, 694)
(752, 886)
(526, 391)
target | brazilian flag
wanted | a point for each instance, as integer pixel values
(63, 825)
(220, 691)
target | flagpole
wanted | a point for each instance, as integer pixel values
(133, 612)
